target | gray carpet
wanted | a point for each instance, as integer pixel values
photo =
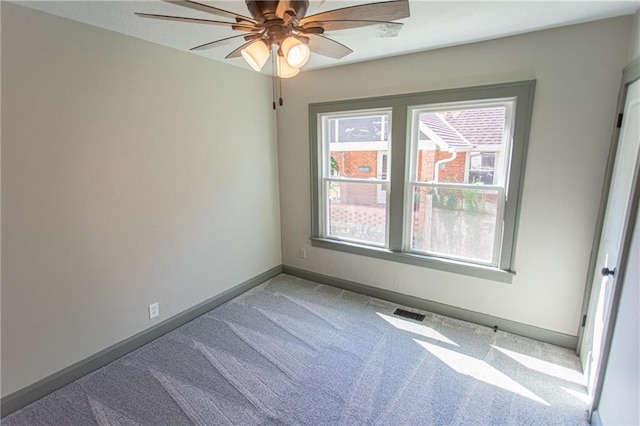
(296, 352)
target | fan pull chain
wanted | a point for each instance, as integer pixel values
(273, 81)
(280, 101)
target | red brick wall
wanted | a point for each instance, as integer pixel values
(425, 165)
(453, 170)
(349, 163)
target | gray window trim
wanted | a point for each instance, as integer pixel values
(522, 91)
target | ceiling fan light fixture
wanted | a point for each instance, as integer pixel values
(256, 54)
(281, 29)
(295, 52)
(284, 70)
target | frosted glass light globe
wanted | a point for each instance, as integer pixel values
(295, 52)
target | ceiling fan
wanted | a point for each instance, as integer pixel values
(282, 26)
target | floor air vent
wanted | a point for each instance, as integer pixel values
(408, 314)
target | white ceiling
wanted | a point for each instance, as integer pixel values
(432, 24)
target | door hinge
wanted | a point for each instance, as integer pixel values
(584, 321)
(619, 123)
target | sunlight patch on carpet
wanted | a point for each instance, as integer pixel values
(479, 370)
(580, 396)
(544, 367)
(419, 329)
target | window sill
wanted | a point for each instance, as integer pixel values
(457, 267)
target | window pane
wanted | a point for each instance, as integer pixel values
(373, 164)
(359, 129)
(461, 145)
(358, 145)
(357, 212)
(456, 223)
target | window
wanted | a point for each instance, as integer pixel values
(430, 179)
(354, 176)
(455, 189)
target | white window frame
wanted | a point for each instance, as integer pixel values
(399, 172)
(501, 171)
(325, 166)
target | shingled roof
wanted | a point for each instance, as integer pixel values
(483, 126)
(466, 129)
(436, 128)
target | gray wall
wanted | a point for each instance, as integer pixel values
(131, 174)
(634, 45)
(578, 73)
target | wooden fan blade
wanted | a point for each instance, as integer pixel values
(220, 42)
(237, 53)
(210, 9)
(190, 20)
(247, 28)
(384, 11)
(327, 47)
(335, 25)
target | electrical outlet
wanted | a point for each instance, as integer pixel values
(154, 310)
(302, 253)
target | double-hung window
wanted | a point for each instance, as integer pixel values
(458, 200)
(431, 179)
(355, 164)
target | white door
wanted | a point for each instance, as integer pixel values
(611, 238)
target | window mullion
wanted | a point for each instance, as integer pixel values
(399, 123)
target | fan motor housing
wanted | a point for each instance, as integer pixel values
(266, 10)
